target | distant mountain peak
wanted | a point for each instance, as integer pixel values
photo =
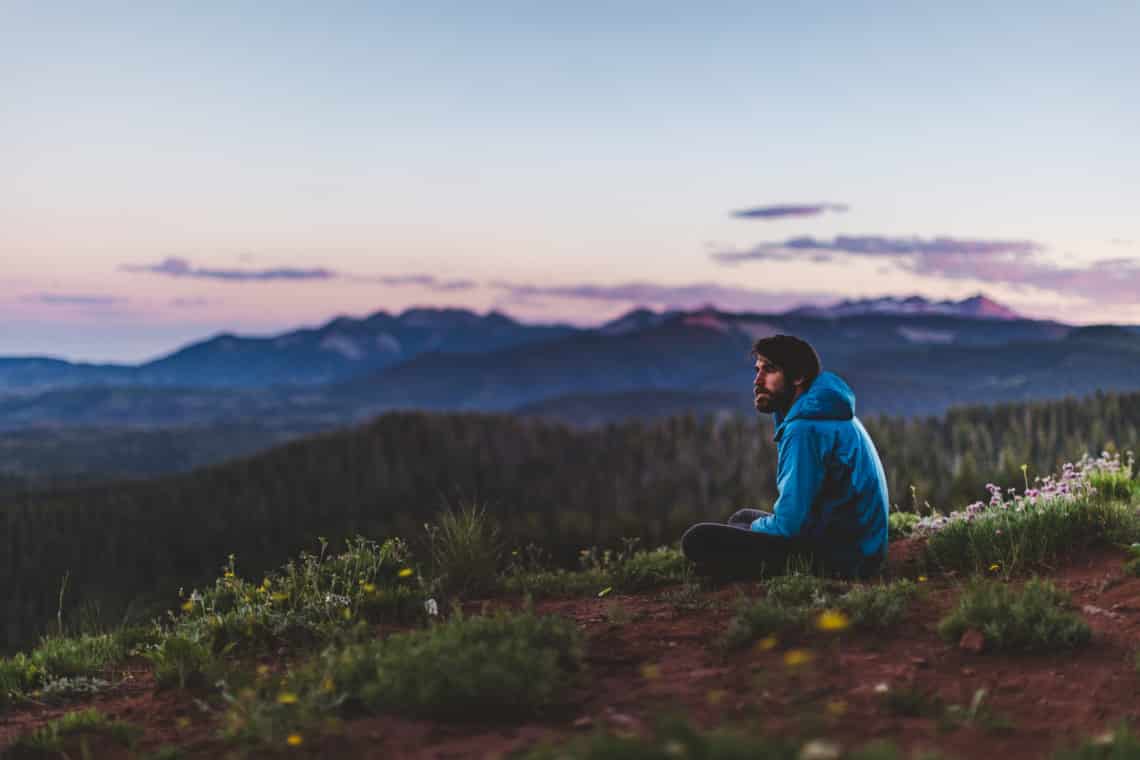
(975, 307)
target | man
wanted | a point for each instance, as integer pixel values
(832, 504)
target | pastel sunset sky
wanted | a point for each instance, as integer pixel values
(172, 170)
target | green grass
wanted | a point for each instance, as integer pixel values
(506, 665)
(1119, 744)
(1034, 618)
(59, 658)
(466, 548)
(51, 738)
(181, 662)
(900, 525)
(677, 738)
(1011, 542)
(793, 602)
(306, 603)
(627, 571)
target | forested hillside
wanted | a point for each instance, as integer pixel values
(547, 483)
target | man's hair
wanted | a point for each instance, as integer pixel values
(794, 356)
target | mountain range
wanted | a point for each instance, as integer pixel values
(903, 356)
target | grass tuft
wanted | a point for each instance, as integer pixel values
(51, 738)
(1034, 618)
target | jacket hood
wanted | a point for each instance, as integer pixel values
(828, 398)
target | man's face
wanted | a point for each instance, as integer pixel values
(771, 390)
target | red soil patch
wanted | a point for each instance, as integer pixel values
(1051, 700)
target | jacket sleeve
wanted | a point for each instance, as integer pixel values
(799, 477)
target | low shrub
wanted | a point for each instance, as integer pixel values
(677, 738)
(308, 601)
(51, 737)
(901, 525)
(1033, 618)
(878, 607)
(796, 602)
(181, 662)
(1119, 744)
(505, 665)
(672, 738)
(1013, 533)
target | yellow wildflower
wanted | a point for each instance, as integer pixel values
(836, 707)
(286, 698)
(183, 722)
(766, 643)
(922, 579)
(327, 685)
(369, 588)
(263, 670)
(407, 572)
(995, 567)
(716, 696)
(832, 620)
(188, 605)
(794, 658)
(294, 740)
(651, 672)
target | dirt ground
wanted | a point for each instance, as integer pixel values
(647, 656)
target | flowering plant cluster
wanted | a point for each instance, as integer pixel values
(1075, 482)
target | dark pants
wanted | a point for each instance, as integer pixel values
(733, 551)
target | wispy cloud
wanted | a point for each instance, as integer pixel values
(182, 268)
(782, 211)
(431, 282)
(670, 296)
(179, 267)
(878, 245)
(1012, 262)
(74, 299)
(191, 303)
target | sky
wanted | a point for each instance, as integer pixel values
(176, 170)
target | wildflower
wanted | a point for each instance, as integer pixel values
(279, 597)
(794, 658)
(832, 620)
(716, 696)
(836, 707)
(263, 670)
(766, 643)
(431, 607)
(922, 579)
(183, 722)
(327, 685)
(882, 688)
(369, 588)
(346, 613)
(407, 572)
(286, 698)
(188, 605)
(820, 749)
(651, 672)
(605, 591)
(995, 567)
(294, 740)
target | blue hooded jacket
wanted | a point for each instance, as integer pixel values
(833, 491)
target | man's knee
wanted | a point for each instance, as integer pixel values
(742, 516)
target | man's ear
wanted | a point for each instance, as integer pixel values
(800, 383)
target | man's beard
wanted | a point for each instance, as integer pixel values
(770, 402)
